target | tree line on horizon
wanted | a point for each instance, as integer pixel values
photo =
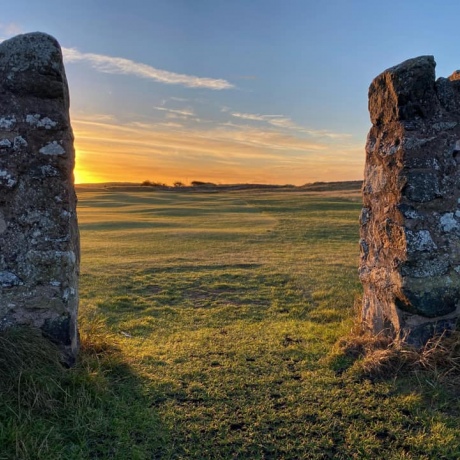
(177, 184)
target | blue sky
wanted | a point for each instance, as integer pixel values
(271, 91)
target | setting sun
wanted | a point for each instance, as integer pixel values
(222, 236)
(81, 174)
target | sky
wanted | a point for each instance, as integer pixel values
(230, 91)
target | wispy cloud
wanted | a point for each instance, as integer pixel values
(118, 65)
(179, 99)
(168, 124)
(280, 121)
(256, 116)
(102, 117)
(9, 29)
(181, 112)
(244, 141)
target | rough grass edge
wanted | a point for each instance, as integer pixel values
(364, 355)
(32, 376)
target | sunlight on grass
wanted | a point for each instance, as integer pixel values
(207, 321)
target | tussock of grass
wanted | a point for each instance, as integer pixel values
(29, 371)
(366, 355)
(96, 341)
(91, 411)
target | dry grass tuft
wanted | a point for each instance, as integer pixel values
(365, 355)
(95, 337)
(441, 354)
(370, 356)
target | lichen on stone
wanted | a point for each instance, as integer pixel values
(7, 179)
(19, 142)
(7, 122)
(53, 148)
(38, 122)
(9, 279)
(419, 241)
(449, 223)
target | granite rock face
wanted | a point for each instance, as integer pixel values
(410, 222)
(39, 240)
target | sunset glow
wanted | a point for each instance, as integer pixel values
(108, 151)
(264, 92)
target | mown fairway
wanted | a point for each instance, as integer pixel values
(207, 320)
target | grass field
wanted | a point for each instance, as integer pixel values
(207, 324)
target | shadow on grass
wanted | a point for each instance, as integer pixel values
(210, 295)
(95, 410)
(198, 268)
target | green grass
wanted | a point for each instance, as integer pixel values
(207, 323)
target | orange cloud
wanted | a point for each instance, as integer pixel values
(166, 152)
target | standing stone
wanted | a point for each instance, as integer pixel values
(39, 241)
(410, 222)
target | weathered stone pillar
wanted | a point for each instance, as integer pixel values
(410, 223)
(39, 242)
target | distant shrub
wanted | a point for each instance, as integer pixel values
(148, 183)
(179, 184)
(197, 183)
